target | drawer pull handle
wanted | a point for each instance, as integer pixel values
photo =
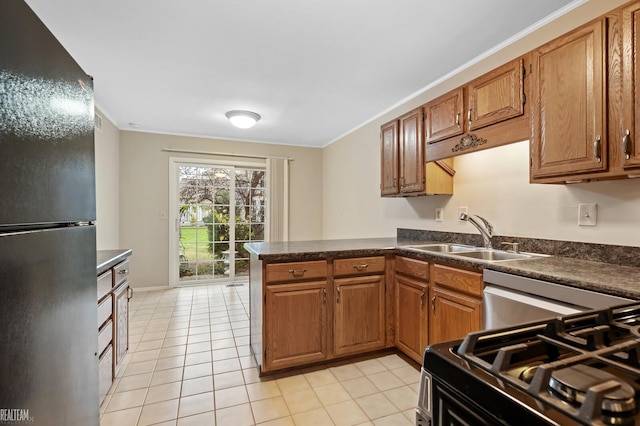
(433, 304)
(129, 293)
(297, 272)
(338, 292)
(597, 149)
(362, 267)
(421, 300)
(458, 119)
(324, 296)
(123, 271)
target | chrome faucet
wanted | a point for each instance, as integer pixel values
(486, 231)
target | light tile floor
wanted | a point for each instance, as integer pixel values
(189, 363)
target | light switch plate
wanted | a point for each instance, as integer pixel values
(439, 214)
(587, 214)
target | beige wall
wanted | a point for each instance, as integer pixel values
(107, 148)
(144, 192)
(492, 183)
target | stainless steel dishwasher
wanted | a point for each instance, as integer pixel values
(512, 299)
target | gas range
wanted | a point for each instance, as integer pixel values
(578, 369)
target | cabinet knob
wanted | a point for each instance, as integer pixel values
(626, 144)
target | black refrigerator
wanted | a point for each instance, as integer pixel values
(48, 294)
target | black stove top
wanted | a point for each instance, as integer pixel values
(578, 369)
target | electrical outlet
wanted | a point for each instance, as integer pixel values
(461, 210)
(587, 214)
(439, 214)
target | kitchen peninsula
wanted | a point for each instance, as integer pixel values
(313, 301)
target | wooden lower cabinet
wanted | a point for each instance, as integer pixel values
(412, 317)
(453, 315)
(359, 314)
(456, 303)
(296, 324)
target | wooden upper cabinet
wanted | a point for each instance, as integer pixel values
(411, 152)
(496, 96)
(569, 104)
(489, 99)
(630, 138)
(389, 158)
(444, 115)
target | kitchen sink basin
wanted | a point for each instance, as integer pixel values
(444, 248)
(473, 252)
(495, 255)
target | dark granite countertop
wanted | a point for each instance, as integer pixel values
(108, 258)
(598, 276)
(319, 249)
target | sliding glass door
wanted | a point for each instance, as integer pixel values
(216, 209)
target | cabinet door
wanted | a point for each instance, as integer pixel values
(120, 325)
(412, 316)
(496, 96)
(359, 314)
(411, 152)
(389, 158)
(631, 90)
(295, 324)
(444, 116)
(568, 110)
(453, 315)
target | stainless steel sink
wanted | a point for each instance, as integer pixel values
(495, 255)
(473, 252)
(444, 248)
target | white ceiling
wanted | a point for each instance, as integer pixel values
(314, 70)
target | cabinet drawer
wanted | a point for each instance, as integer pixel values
(121, 272)
(105, 373)
(296, 271)
(412, 267)
(104, 311)
(359, 265)
(465, 281)
(104, 336)
(105, 281)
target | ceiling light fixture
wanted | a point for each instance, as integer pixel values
(243, 119)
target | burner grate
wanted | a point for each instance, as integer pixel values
(529, 356)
